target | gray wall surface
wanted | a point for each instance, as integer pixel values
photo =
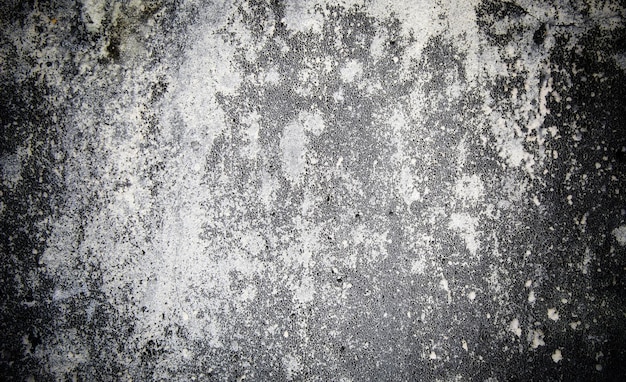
(374, 190)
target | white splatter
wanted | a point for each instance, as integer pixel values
(471, 295)
(418, 266)
(515, 328)
(535, 337)
(620, 235)
(301, 16)
(305, 291)
(293, 146)
(465, 225)
(93, 14)
(469, 189)
(292, 365)
(444, 285)
(553, 314)
(351, 71)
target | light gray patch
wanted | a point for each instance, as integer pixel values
(11, 169)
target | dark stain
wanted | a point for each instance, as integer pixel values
(540, 34)
(150, 8)
(158, 89)
(113, 48)
(151, 351)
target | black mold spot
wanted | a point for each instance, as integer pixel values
(113, 49)
(540, 34)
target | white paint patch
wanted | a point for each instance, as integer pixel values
(471, 295)
(510, 146)
(292, 365)
(515, 328)
(535, 337)
(248, 294)
(207, 70)
(470, 189)
(267, 190)
(186, 353)
(531, 297)
(377, 47)
(557, 356)
(406, 187)
(312, 122)
(293, 146)
(93, 14)
(301, 16)
(209, 66)
(465, 225)
(351, 71)
(463, 28)
(418, 266)
(272, 77)
(418, 22)
(338, 95)
(305, 291)
(444, 285)
(620, 235)
(553, 314)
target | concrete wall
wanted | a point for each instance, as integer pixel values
(313, 190)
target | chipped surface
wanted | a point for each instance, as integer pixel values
(313, 190)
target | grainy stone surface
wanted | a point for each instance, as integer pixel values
(313, 190)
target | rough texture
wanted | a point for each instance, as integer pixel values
(313, 190)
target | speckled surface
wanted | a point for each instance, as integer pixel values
(313, 190)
